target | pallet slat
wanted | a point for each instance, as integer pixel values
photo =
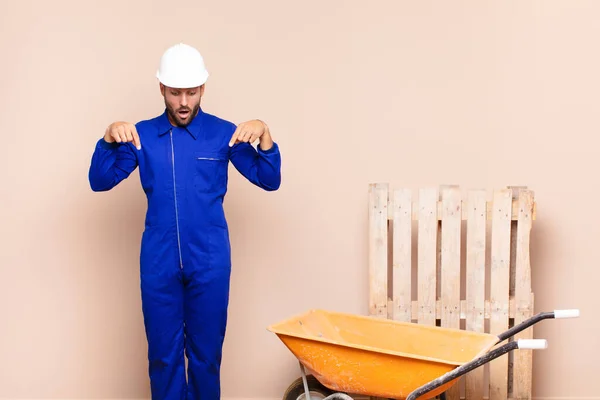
(450, 265)
(475, 305)
(402, 257)
(523, 295)
(500, 286)
(427, 260)
(378, 249)
(464, 214)
(464, 309)
(450, 260)
(504, 222)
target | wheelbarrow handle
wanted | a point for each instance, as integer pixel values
(566, 313)
(532, 344)
(537, 318)
(476, 363)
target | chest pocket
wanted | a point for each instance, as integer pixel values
(210, 171)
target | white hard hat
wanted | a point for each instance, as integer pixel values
(182, 66)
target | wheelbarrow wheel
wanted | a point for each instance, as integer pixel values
(296, 390)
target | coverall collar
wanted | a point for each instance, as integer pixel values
(164, 125)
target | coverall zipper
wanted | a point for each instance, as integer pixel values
(175, 198)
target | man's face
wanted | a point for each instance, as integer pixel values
(182, 104)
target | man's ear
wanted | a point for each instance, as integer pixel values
(162, 89)
(202, 90)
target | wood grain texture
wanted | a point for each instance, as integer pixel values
(450, 265)
(499, 286)
(378, 249)
(475, 281)
(427, 256)
(401, 259)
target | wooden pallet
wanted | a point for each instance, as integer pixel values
(456, 261)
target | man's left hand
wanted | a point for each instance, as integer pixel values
(250, 131)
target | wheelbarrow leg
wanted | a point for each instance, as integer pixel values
(334, 396)
(306, 391)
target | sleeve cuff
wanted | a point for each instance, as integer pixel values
(103, 144)
(273, 149)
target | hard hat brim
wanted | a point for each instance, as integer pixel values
(183, 83)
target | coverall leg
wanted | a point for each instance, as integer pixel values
(206, 300)
(162, 292)
(164, 330)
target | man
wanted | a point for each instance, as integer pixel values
(185, 266)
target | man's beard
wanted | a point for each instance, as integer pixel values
(177, 119)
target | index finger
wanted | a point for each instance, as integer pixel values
(136, 138)
(235, 135)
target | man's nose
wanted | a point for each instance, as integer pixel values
(184, 100)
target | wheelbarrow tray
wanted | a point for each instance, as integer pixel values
(377, 357)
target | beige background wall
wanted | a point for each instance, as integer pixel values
(476, 93)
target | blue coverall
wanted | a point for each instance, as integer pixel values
(185, 261)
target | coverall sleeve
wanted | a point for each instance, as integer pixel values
(111, 163)
(261, 167)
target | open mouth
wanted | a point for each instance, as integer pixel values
(183, 114)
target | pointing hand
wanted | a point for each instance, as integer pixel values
(250, 131)
(122, 132)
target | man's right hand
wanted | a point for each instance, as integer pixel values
(122, 132)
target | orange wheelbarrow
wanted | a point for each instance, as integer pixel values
(358, 355)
